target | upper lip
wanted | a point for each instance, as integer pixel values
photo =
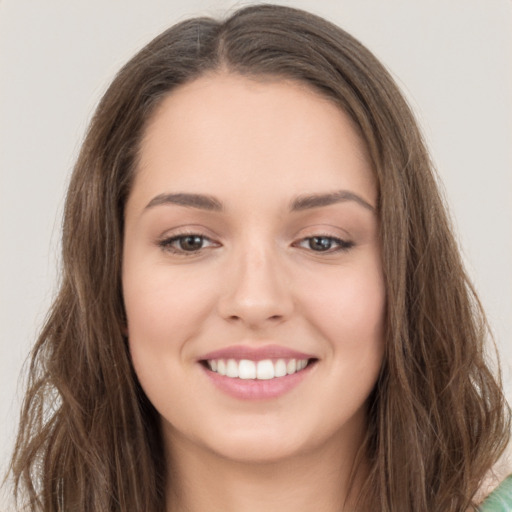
(256, 353)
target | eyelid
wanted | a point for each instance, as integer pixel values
(343, 245)
(165, 243)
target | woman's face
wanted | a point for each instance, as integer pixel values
(252, 249)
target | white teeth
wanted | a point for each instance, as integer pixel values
(232, 368)
(247, 369)
(280, 368)
(265, 369)
(221, 367)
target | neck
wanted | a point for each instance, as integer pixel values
(202, 480)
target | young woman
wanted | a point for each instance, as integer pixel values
(262, 303)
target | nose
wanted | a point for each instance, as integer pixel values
(257, 291)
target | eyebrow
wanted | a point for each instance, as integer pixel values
(308, 201)
(201, 201)
(303, 202)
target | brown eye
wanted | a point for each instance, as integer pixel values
(190, 242)
(187, 244)
(322, 243)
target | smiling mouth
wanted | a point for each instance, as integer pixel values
(264, 369)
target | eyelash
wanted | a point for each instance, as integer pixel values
(167, 244)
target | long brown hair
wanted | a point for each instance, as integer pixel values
(89, 439)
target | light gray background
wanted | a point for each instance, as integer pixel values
(451, 57)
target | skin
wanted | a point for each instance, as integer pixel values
(255, 145)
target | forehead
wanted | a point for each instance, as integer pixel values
(223, 129)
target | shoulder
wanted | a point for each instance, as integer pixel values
(500, 499)
(495, 493)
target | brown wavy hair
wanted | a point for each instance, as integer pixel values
(89, 440)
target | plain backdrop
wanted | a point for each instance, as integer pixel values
(452, 58)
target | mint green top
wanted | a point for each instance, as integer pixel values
(500, 500)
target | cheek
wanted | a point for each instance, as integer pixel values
(163, 310)
(350, 315)
(160, 301)
(164, 313)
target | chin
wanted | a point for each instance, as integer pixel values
(258, 449)
(267, 442)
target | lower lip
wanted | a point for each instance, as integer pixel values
(254, 389)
